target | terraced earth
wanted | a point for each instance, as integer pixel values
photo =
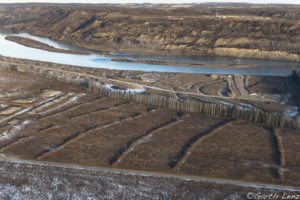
(45, 120)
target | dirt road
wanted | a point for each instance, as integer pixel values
(23, 179)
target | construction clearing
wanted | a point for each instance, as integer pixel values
(67, 124)
(137, 102)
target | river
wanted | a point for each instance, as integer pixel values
(99, 60)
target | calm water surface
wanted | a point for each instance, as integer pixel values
(98, 60)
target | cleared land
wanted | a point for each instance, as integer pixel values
(50, 121)
(272, 95)
(74, 141)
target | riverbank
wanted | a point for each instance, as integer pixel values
(218, 51)
(143, 62)
(192, 30)
(39, 45)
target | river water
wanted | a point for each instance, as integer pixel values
(98, 60)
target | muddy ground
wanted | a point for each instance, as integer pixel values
(46, 120)
(238, 30)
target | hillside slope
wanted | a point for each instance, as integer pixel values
(271, 32)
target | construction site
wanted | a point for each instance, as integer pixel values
(75, 131)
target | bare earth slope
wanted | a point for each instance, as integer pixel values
(229, 30)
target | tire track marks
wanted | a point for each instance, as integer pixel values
(181, 157)
(76, 135)
(29, 109)
(200, 89)
(233, 86)
(25, 137)
(130, 145)
(70, 108)
(278, 154)
(70, 100)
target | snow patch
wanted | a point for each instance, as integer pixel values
(70, 101)
(124, 90)
(245, 106)
(9, 134)
(291, 112)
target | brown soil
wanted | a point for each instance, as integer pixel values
(66, 125)
(241, 30)
(272, 94)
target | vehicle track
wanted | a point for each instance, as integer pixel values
(246, 84)
(181, 157)
(129, 146)
(13, 142)
(200, 89)
(233, 86)
(46, 166)
(278, 154)
(45, 127)
(77, 135)
(69, 109)
(24, 138)
(47, 106)
(59, 106)
(138, 84)
(31, 108)
(55, 146)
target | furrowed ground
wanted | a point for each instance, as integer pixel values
(70, 132)
(46, 120)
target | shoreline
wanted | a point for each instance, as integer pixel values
(223, 52)
(141, 57)
(109, 50)
(39, 45)
(214, 52)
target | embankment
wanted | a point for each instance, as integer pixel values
(252, 31)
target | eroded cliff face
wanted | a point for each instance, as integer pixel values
(241, 30)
